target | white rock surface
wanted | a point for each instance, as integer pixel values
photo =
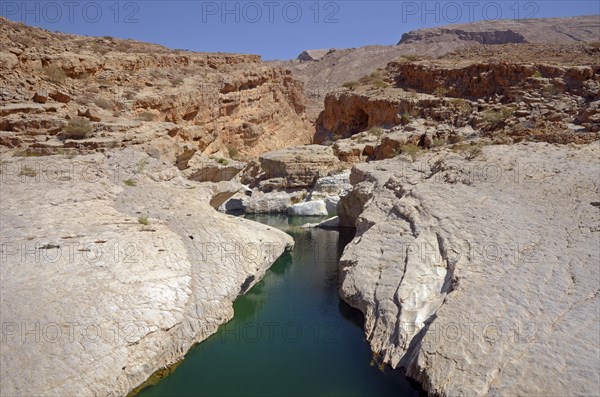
(481, 277)
(94, 301)
(309, 208)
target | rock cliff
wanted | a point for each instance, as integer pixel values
(480, 276)
(224, 104)
(518, 91)
(113, 266)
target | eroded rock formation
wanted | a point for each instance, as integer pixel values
(480, 276)
(113, 266)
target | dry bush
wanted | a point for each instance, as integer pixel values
(77, 129)
(55, 74)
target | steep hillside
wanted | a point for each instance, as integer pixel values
(174, 102)
(508, 92)
(339, 66)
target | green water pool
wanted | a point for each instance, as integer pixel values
(291, 334)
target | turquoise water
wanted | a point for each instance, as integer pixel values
(291, 334)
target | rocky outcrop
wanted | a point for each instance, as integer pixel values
(347, 65)
(480, 277)
(312, 55)
(236, 105)
(113, 266)
(530, 30)
(295, 167)
(520, 91)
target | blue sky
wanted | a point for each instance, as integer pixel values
(273, 29)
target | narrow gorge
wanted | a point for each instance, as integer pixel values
(417, 219)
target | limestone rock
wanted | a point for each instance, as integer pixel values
(472, 280)
(121, 280)
(62, 97)
(202, 168)
(299, 167)
(40, 96)
(8, 60)
(308, 208)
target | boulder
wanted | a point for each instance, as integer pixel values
(40, 96)
(299, 166)
(203, 168)
(271, 202)
(62, 97)
(8, 60)
(308, 208)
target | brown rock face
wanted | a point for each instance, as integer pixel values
(523, 90)
(297, 167)
(233, 105)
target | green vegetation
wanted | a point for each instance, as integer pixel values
(461, 104)
(537, 74)
(142, 165)
(375, 79)
(496, 118)
(143, 219)
(375, 131)
(79, 128)
(406, 118)
(411, 150)
(438, 142)
(469, 152)
(222, 161)
(233, 152)
(130, 182)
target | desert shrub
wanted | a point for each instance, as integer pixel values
(233, 152)
(375, 131)
(406, 118)
(143, 219)
(469, 152)
(146, 116)
(176, 82)
(77, 129)
(157, 74)
(438, 142)
(130, 182)
(453, 139)
(551, 90)
(411, 150)
(375, 79)
(55, 74)
(496, 118)
(100, 49)
(412, 58)
(351, 84)
(537, 74)
(104, 103)
(440, 91)
(460, 104)
(222, 161)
